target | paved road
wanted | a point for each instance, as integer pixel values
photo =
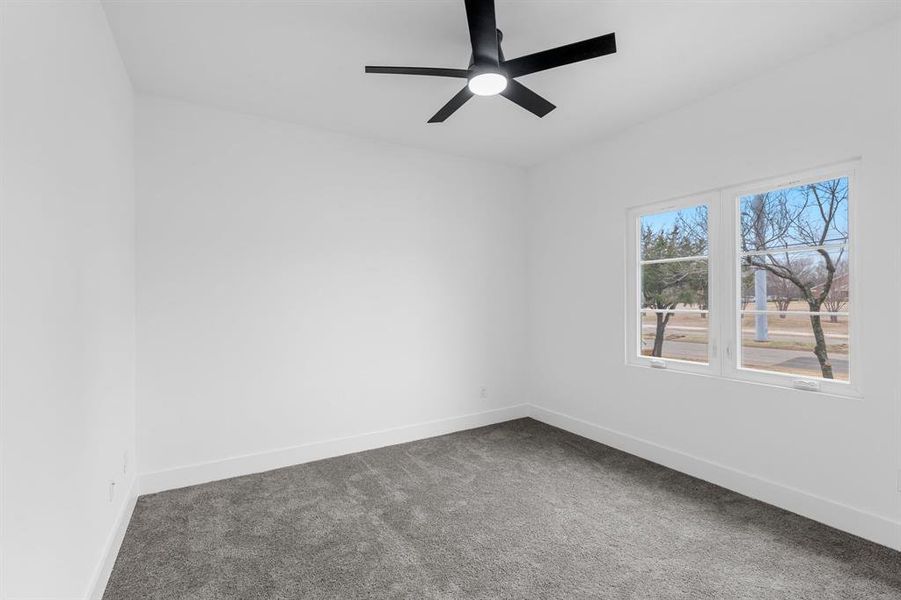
(761, 358)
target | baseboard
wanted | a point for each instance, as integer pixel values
(113, 543)
(835, 514)
(265, 461)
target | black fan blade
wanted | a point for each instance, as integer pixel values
(562, 55)
(482, 32)
(526, 98)
(454, 103)
(432, 71)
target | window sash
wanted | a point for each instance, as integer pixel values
(634, 277)
(794, 250)
(660, 261)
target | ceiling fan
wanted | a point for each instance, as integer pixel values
(489, 73)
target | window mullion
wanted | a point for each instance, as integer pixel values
(727, 287)
(713, 299)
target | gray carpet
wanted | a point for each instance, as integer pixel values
(517, 510)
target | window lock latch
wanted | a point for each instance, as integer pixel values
(806, 384)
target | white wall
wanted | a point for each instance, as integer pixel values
(297, 286)
(67, 275)
(833, 458)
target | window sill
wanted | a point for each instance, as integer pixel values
(846, 391)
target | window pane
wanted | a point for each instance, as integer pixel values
(674, 234)
(681, 284)
(782, 281)
(682, 336)
(787, 283)
(813, 214)
(786, 345)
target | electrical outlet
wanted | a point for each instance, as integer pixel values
(483, 393)
(112, 490)
(125, 463)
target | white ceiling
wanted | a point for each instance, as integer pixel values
(303, 61)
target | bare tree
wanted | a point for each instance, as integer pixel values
(797, 218)
(701, 301)
(783, 292)
(837, 298)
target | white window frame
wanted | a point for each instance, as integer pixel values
(633, 285)
(724, 308)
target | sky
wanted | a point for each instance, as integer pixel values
(665, 221)
(796, 198)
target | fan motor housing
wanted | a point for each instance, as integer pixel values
(500, 52)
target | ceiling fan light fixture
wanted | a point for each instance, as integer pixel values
(489, 73)
(487, 84)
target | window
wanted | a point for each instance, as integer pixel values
(674, 285)
(794, 277)
(751, 283)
